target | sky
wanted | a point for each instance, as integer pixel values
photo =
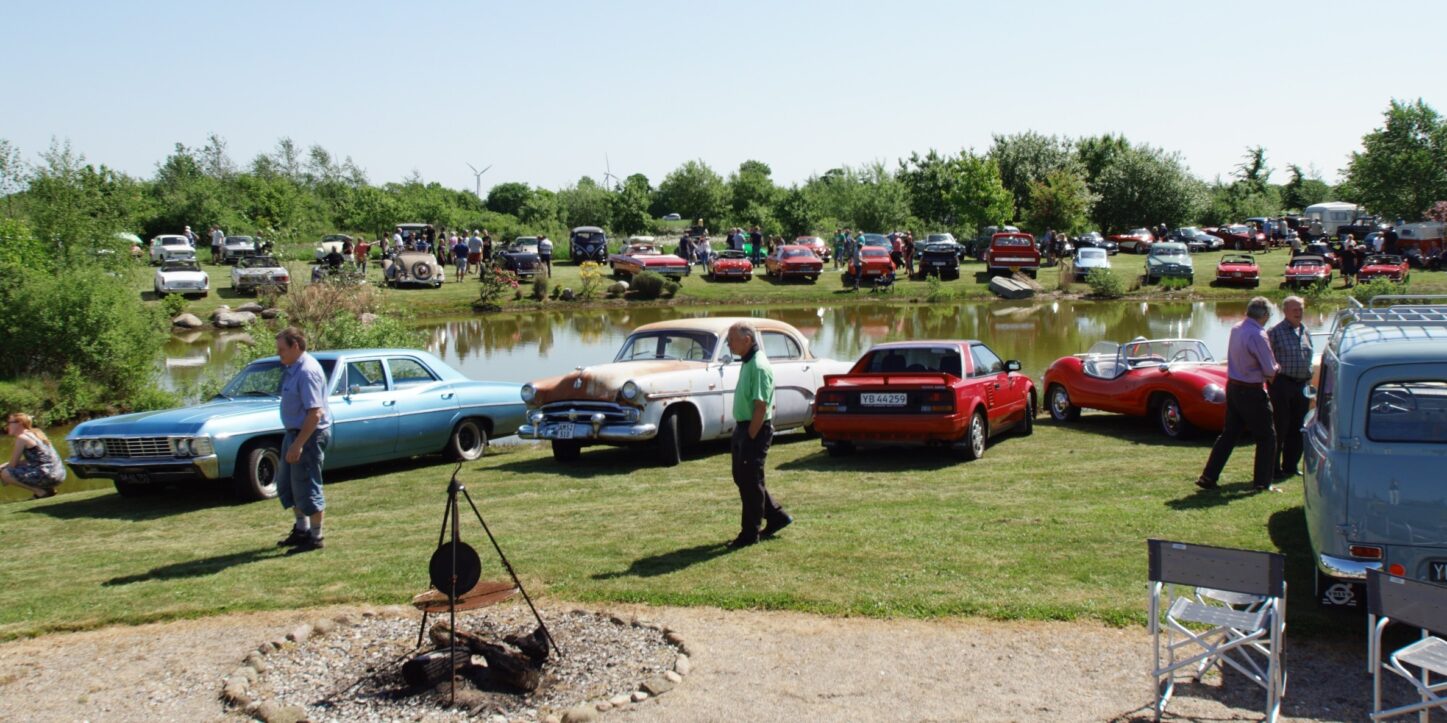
(547, 92)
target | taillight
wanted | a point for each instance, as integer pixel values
(1397, 569)
(937, 401)
(829, 402)
(1365, 552)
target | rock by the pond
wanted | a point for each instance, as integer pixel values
(299, 634)
(567, 295)
(276, 713)
(657, 686)
(250, 306)
(639, 696)
(187, 321)
(323, 626)
(580, 714)
(270, 313)
(218, 311)
(618, 287)
(234, 319)
(672, 676)
(682, 665)
(366, 318)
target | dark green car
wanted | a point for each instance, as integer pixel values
(1169, 260)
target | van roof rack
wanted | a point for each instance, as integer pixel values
(1393, 310)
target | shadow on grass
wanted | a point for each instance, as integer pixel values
(668, 562)
(1201, 499)
(884, 459)
(164, 503)
(642, 457)
(1138, 430)
(197, 568)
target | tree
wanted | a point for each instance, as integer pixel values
(978, 196)
(1025, 158)
(1301, 191)
(797, 212)
(585, 204)
(1402, 167)
(695, 191)
(1095, 153)
(74, 207)
(630, 206)
(1253, 171)
(12, 173)
(749, 187)
(930, 181)
(883, 202)
(1061, 202)
(1145, 185)
(508, 197)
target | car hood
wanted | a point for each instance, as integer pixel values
(258, 271)
(251, 414)
(601, 382)
(246, 245)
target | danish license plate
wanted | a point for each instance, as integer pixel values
(882, 400)
(1236, 274)
(1437, 570)
(937, 263)
(561, 431)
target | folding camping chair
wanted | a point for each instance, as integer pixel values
(1392, 599)
(1238, 596)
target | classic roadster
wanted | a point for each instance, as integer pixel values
(256, 272)
(181, 276)
(1384, 266)
(1175, 381)
(1238, 269)
(413, 268)
(385, 403)
(730, 264)
(670, 386)
(954, 394)
(635, 258)
(1307, 271)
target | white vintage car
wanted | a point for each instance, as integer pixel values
(256, 272)
(181, 276)
(330, 243)
(171, 246)
(671, 385)
(237, 247)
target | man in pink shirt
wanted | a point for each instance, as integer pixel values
(1250, 366)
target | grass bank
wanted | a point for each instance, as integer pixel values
(1046, 527)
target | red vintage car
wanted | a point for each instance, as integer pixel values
(1307, 271)
(819, 246)
(1384, 266)
(730, 264)
(1011, 252)
(1241, 237)
(955, 394)
(876, 262)
(1238, 269)
(1137, 240)
(635, 258)
(793, 262)
(1325, 251)
(1176, 382)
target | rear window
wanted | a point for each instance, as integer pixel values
(929, 359)
(1408, 412)
(1011, 241)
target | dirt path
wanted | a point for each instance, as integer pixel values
(759, 666)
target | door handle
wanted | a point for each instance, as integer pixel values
(389, 402)
(448, 395)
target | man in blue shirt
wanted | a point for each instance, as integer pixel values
(308, 423)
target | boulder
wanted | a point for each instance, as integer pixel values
(619, 288)
(299, 634)
(250, 306)
(580, 714)
(222, 309)
(234, 319)
(567, 295)
(187, 321)
(270, 313)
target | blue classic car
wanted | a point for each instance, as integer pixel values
(1375, 446)
(386, 404)
(588, 243)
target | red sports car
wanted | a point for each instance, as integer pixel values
(797, 262)
(1175, 381)
(730, 264)
(1136, 240)
(819, 246)
(1242, 237)
(955, 394)
(876, 262)
(1323, 250)
(1384, 266)
(1238, 269)
(1307, 270)
(636, 258)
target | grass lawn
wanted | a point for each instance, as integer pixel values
(456, 298)
(1046, 527)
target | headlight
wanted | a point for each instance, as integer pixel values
(630, 390)
(201, 446)
(1214, 394)
(529, 392)
(183, 448)
(96, 447)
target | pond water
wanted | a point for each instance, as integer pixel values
(526, 346)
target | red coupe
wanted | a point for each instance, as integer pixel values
(819, 246)
(1241, 237)
(1136, 240)
(1307, 270)
(636, 258)
(798, 262)
(1175, 381)
(1383, 266)
(955, 394)
(730, 264)
(876, 263)
(1238, 269)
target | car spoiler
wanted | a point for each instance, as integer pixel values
(911, 378)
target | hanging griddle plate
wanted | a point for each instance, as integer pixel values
(469, 569)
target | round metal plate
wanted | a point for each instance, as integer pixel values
(469, 569)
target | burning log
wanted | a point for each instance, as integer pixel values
(429, 669)
(503, 665)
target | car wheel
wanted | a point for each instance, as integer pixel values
(1027, 427)
(1061, 410)
(669, 451)
(257, 479)
(972, 447)
(1172, 421)
(469, 441)
(566, 451)
(132, 489)
(839, 449)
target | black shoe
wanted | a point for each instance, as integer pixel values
(741, 542)
(307, 545)
(1264, 488)
(295, 538)
(1285, 474)
(1206, 484)
(774, 525)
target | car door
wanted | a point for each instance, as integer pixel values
(364, 414)
(794, 379)
(426, 406)
(724, 378)
(989, 369)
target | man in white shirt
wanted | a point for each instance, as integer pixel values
(545, 252)
(474, 252)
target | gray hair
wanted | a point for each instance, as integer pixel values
(1259, 308)
(747, 327)
(1293, 300)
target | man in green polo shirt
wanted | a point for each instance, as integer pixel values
(753, 433)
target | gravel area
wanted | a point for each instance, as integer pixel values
(353, 673)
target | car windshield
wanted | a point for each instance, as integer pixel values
(1384, 260)
(263, 379)
(939, 237)
(172, 241)
(732, 254)
(796, 253)
(259, 262)
(1238, 229)
(1190, 231)
(945, 247)
(675, 345)
(180, 266)
(1304, 263)
(873, 251)
(519, 247)
(873, 239)
(587, 237)
(915, 359)
(239, 240)
(1090, 236)
(1142, 352)
(641, 250)
(1159, 250)
(1247, 260)
(1140, 232)
(1091, 254)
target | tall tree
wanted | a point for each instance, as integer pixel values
(1301, 191)
(1061, 202)
(1025, 158)
(1145, 186)
(509, 197)
(1402, 167)
(695, 191)
(751, 187)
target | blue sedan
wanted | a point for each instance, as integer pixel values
(386, 404)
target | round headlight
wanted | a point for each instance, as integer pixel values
(528, 392)
(201, 446)
(97, 448)
(630, 389)
(183, 447)
(1214, 394)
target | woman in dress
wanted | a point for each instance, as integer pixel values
(34, 465)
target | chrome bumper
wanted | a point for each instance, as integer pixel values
(1344, 568)
(588, 432)
(207, 467)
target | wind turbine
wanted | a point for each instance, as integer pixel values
(477, 176)
(608, 173)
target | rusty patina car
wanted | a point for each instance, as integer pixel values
(671, 386)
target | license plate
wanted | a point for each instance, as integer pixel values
(937, 263)
(1236, 274)
(1437, 570)
(559, 431)
(882, 400)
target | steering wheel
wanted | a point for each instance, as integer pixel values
(1187, 354)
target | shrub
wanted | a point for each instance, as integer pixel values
(496, 281)
(591, 276)
(1364, 292)
(1067, 274)
(173, 305)
(1173, 283)
(555, 293)
(1104, 284)
(938, 292)
(540, 286)
(670, 288)
(647, 285)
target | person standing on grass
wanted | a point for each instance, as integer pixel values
(34, 464)
(753, 433)
(756, 239)
(545, 252)
(459, 256)
(1291, 344)
(218, 237)
(362, 251)
(1250, 366)
(486, 247)
(308, 423)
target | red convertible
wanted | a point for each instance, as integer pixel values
(1175, 381)
(1238, 269)
(730, 264)
(793, 262)
(876, 262)
(636, 258)
(1137, 240)
(1242, 237)
(819, 246)
(955, 394)
(1383, 266)
(1307, 270)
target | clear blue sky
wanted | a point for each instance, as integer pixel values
(543, 91)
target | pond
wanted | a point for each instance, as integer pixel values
(525, 346)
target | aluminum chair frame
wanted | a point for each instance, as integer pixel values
(1240, 595)
(1420, 604)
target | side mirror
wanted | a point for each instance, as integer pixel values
(354, 389)
(726, 359)
(1012, 366)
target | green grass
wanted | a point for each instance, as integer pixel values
(1046, 527)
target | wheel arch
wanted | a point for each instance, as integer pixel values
(238, 465)
(690, 420)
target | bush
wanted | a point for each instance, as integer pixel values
(173, 305)
(540, 286)
(1364, 292)
(938, 292)
(495, 282)
(1104, 284)
(1173, 283)
(647, 285)
(555, 293)
(591, 275)
(670, 288)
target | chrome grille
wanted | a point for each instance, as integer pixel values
(129, 447)
(582, 411)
